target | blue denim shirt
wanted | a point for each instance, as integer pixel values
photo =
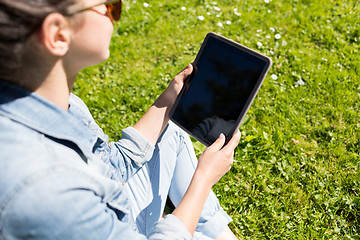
(60, 178)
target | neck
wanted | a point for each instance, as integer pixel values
(57, 87)
(50, 81)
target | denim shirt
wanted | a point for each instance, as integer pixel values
(60, 178)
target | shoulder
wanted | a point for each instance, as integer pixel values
(78, 105)
(79, 109)
(77, 101)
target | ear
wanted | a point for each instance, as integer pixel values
(56, 34)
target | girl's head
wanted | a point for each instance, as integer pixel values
(18, 20)
(30, 28)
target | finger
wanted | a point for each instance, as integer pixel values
(234, 141)
(219, 143)
(185, 72)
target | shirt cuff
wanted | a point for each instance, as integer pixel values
(136, 146)
(170, 228)
(215, 225)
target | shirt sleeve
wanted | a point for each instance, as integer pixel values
(124, 157)
(127, 155)
(135, 146)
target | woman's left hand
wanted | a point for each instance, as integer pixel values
(175, 86)
(155, 119)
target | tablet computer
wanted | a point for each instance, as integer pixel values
(220, 90)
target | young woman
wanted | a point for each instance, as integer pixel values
(60, 177)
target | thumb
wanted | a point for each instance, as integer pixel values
(185, 72)
(219, 143)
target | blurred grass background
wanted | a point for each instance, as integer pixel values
(297, 169)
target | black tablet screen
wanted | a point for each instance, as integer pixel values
(223, 80)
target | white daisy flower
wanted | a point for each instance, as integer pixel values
(300, 83)
(274, 77)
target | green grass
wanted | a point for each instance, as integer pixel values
(297, 170)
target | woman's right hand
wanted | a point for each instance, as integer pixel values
(216, 160)
(212, 165)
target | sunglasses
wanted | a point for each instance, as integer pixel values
(113, 9)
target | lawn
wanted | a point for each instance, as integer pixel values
(296, 174)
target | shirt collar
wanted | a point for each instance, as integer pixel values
(38, 113)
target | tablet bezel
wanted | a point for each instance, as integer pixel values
(241, 115)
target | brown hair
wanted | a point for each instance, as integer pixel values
(18, 20)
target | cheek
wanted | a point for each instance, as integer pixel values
(91, 43)
(96, 38)
(101, 30)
